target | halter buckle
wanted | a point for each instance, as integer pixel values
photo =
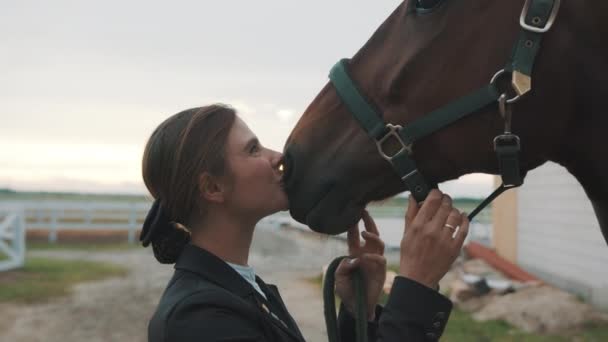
(393, 132)
(548, 24)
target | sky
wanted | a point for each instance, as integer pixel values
(83, 83)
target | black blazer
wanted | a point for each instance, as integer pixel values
(206, 300)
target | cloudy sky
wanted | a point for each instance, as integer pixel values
(83, 83)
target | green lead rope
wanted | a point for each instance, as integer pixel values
(329, 303)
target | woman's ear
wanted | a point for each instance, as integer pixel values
(211, 188)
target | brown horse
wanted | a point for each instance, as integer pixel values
(429, 53)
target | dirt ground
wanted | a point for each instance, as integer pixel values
(118, 309)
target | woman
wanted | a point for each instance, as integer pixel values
(212, 181)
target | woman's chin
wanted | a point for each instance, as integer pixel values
(283, 200)
(281, 204)
(284, 206)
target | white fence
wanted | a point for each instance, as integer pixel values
(12, 239)
(54, 216)
(72, 215)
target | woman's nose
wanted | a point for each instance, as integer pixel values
(276, 160)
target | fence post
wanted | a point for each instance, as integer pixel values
(20, 235)
(53, 231)
(39, 215)
(132, 223)
(88, 218)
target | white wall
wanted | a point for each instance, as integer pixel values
(559, 238)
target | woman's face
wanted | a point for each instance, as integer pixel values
(255, 180)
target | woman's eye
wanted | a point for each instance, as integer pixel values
(254, 149)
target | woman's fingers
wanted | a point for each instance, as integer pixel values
(369, 223)
(347, 266)
(429, 207)
(412, 210)
(442, 214)
(451, 227)
(464, 229)
(373, 243)
(352, 237)
(374, 258)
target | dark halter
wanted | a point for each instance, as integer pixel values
(537, 18)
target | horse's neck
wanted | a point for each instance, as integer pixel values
(601, 211)
(582, 146)
(586, 159)
(592, 169)
(583, 150)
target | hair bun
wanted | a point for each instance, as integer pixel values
(168, 247)
(167, 238)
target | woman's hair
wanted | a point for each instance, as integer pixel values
(178, 152)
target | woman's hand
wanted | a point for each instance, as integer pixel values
(432, 239)
(369, 257)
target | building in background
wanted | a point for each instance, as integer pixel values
(549, 228)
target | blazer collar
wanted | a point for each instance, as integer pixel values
(204, 263)
(209, 266)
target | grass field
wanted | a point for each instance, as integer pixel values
(43, 278)
(462, 328)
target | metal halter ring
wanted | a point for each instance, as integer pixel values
(493, 82)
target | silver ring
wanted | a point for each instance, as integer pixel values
(447, 225)
(493, 82)
(455, 229)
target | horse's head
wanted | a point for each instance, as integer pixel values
(425, 55)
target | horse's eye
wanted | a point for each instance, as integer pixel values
(427, 4)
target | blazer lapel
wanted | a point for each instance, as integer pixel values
(274, 299)
(209, 266)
